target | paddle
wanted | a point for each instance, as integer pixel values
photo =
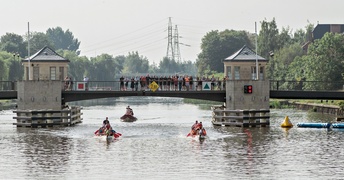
(116, 135)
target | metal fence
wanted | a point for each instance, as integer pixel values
(115, 85)
(307, 85)
(8, 85)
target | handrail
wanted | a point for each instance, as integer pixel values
(275, 85)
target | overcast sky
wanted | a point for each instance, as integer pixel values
(118, 27)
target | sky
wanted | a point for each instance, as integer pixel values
(118, 27)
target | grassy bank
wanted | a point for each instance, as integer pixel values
(7, 104)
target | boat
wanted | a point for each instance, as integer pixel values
(106, 136)
(128, 118)
(201, 134)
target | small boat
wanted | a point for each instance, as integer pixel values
(128, 118)
(106, 136)
(201, 134)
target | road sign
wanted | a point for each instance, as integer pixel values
(153, 86)
(206, 86)
(80, 86)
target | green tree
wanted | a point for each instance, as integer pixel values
(268, 38)
(283, 58)
(39, 40)
(5, 59)
(134, 64)
(325, 61)
(63, 39)
(16, 69)
(78, 66)
(106, 67)
(216, 46)
(168, 66)
(13, 43)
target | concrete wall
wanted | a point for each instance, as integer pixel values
(237, 99)
(35, 95)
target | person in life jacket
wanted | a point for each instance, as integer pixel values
(193, 127)
(129, 111)
(108, 129)
(203, 132)
(102, 129)
(199, 126)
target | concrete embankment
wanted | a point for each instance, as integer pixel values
(320, 108)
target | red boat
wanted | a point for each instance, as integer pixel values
(200, 133)
(128, 118)
(107, 135)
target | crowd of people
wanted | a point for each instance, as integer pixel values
(171, 83)
(165, 83)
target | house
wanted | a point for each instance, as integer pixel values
(320, 30)
(242, 65)
(46, 64)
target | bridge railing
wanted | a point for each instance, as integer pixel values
(306, 85)
(116, 86)
(8, 85)
(274, 85)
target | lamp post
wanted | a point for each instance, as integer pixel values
(271, 53)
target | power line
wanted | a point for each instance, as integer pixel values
(120, 36)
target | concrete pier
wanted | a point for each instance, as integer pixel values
(48, 118)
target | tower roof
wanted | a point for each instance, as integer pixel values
(244, 54)
(46, 54)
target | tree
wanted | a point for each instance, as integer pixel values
(13, 43)
(16, 69)
(168, 66)
(39, 40)
(216, 46)
(135, 64)
(5, 58)
(283, 58)
(268, 38)
(325, 60)
(63, 39)
(78, 66)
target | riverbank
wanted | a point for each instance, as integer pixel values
(332, 109)
(7, 104)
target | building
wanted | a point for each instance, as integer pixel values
(46, 64)
(320, 30)
(247, 95)
(242, 65)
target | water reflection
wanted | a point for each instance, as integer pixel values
(44, 151)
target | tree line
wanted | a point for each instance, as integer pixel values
(288, 60)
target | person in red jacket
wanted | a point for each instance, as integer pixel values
(193, 127)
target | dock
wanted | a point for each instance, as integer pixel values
(48, 118)
(240, 118)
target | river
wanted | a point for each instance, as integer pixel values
(156, 146)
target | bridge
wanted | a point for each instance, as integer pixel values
(110, 89)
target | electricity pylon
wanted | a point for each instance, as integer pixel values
(177, 56)
(170, 52)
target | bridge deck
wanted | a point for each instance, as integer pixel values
(215, 95)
